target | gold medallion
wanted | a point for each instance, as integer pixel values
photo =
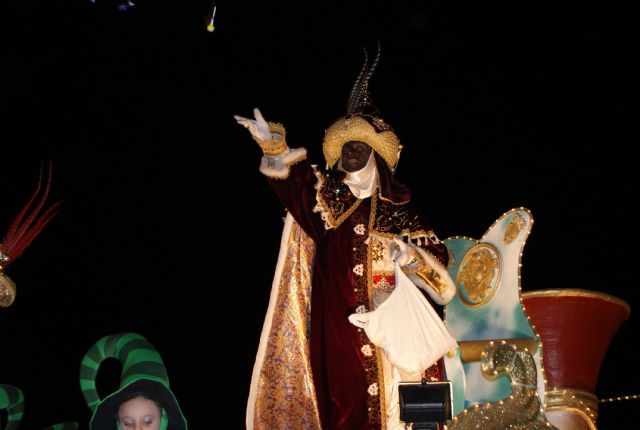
(479, 274)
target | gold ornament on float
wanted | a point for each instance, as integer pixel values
(514, 228)
(479, 274)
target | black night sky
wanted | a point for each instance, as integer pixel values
(169, 230)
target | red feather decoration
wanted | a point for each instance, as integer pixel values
(28, 224)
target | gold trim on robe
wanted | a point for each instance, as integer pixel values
(282, 394)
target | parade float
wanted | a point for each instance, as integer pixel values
(525, 360)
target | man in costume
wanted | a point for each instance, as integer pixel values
(346, 229)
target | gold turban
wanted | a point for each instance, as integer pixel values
(357, 128)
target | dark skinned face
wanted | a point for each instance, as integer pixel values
(355, 155)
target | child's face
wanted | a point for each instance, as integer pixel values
(139, 413)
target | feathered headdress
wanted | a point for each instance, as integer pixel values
(362, 122)
(22, 231)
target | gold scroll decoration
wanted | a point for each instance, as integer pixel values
(519, 411)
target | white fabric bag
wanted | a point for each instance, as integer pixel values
(407, 328)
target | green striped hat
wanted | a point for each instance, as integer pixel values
(63, 426)
(143, 372)
(12, 400)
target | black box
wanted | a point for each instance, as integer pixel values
(425, 402)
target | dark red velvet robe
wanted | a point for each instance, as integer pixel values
(346, 380)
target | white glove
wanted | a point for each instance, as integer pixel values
(399, 252)
(259, 128)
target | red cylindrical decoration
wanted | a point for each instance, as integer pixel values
(576, 327)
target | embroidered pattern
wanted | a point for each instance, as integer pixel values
(286, 366)
(366, 350)
(377, 249)
(373, 389)
(384, 282)
(335, 201)
(393, 220)
(359, 222)
(434, 372)
(358, 269)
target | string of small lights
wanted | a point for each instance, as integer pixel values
(620, 398)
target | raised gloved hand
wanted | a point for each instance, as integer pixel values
(400, 252)
(259, 128)
(269, 135)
